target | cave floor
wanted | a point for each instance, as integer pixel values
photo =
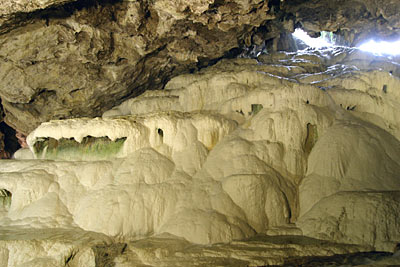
(76, 247)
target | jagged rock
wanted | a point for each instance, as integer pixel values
(55, 247)
(13, 7)
(65, 59)
(3, 153)
(15, 13)
(355, 20)
(21, 139)
(86, 61)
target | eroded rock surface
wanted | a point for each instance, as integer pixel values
(65, 59)
(289, 144)
(82, 62)
(354, 20)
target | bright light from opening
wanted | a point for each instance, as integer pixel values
(387, 48)
(313, 42)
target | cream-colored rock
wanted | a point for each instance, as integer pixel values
(255, 195)
(50, 247)
(232, 151)
(339, 157)
(356, 217)
(167, 250)
(76, 248)
(75, 189)
(351, 156)
(23, 154)
(174, 130)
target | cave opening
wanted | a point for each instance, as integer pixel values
(303, 40)
(329, 39)
(381, 47)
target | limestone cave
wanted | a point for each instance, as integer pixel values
(199, 133)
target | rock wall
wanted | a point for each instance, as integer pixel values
(85, 61)
(356, 21)
(65, 59)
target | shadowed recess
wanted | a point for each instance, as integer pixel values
(90, 148)
(5, 200)
(53, 11)
(311, 139)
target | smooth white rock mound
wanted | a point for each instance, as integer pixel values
(240, 148)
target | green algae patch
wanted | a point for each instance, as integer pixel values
(5, 199)
(255, 108)
(91, 148)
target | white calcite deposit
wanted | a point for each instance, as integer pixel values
(289, 144)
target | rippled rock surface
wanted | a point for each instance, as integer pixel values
(254, 158)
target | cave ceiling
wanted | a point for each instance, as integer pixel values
(63, 59)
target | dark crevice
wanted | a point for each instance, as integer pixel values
(105, 254)
(274, 5)
(70, 258)
(160, 132)
(73, 91)
(52, 12)
(10, 140)
(136, 89)
(217, 3)
(351, 259)
(351, 107)
(147, 14)
(206, 62)
(42, 93)
(311, 138)
(384, 89)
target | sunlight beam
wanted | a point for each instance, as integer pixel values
(382, 47)
(312, 42)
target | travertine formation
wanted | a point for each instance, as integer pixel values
(304, 144)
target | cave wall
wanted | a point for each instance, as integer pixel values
(354, 20)
(64, 59)
(82, 62)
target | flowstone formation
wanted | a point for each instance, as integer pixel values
(274, 151)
